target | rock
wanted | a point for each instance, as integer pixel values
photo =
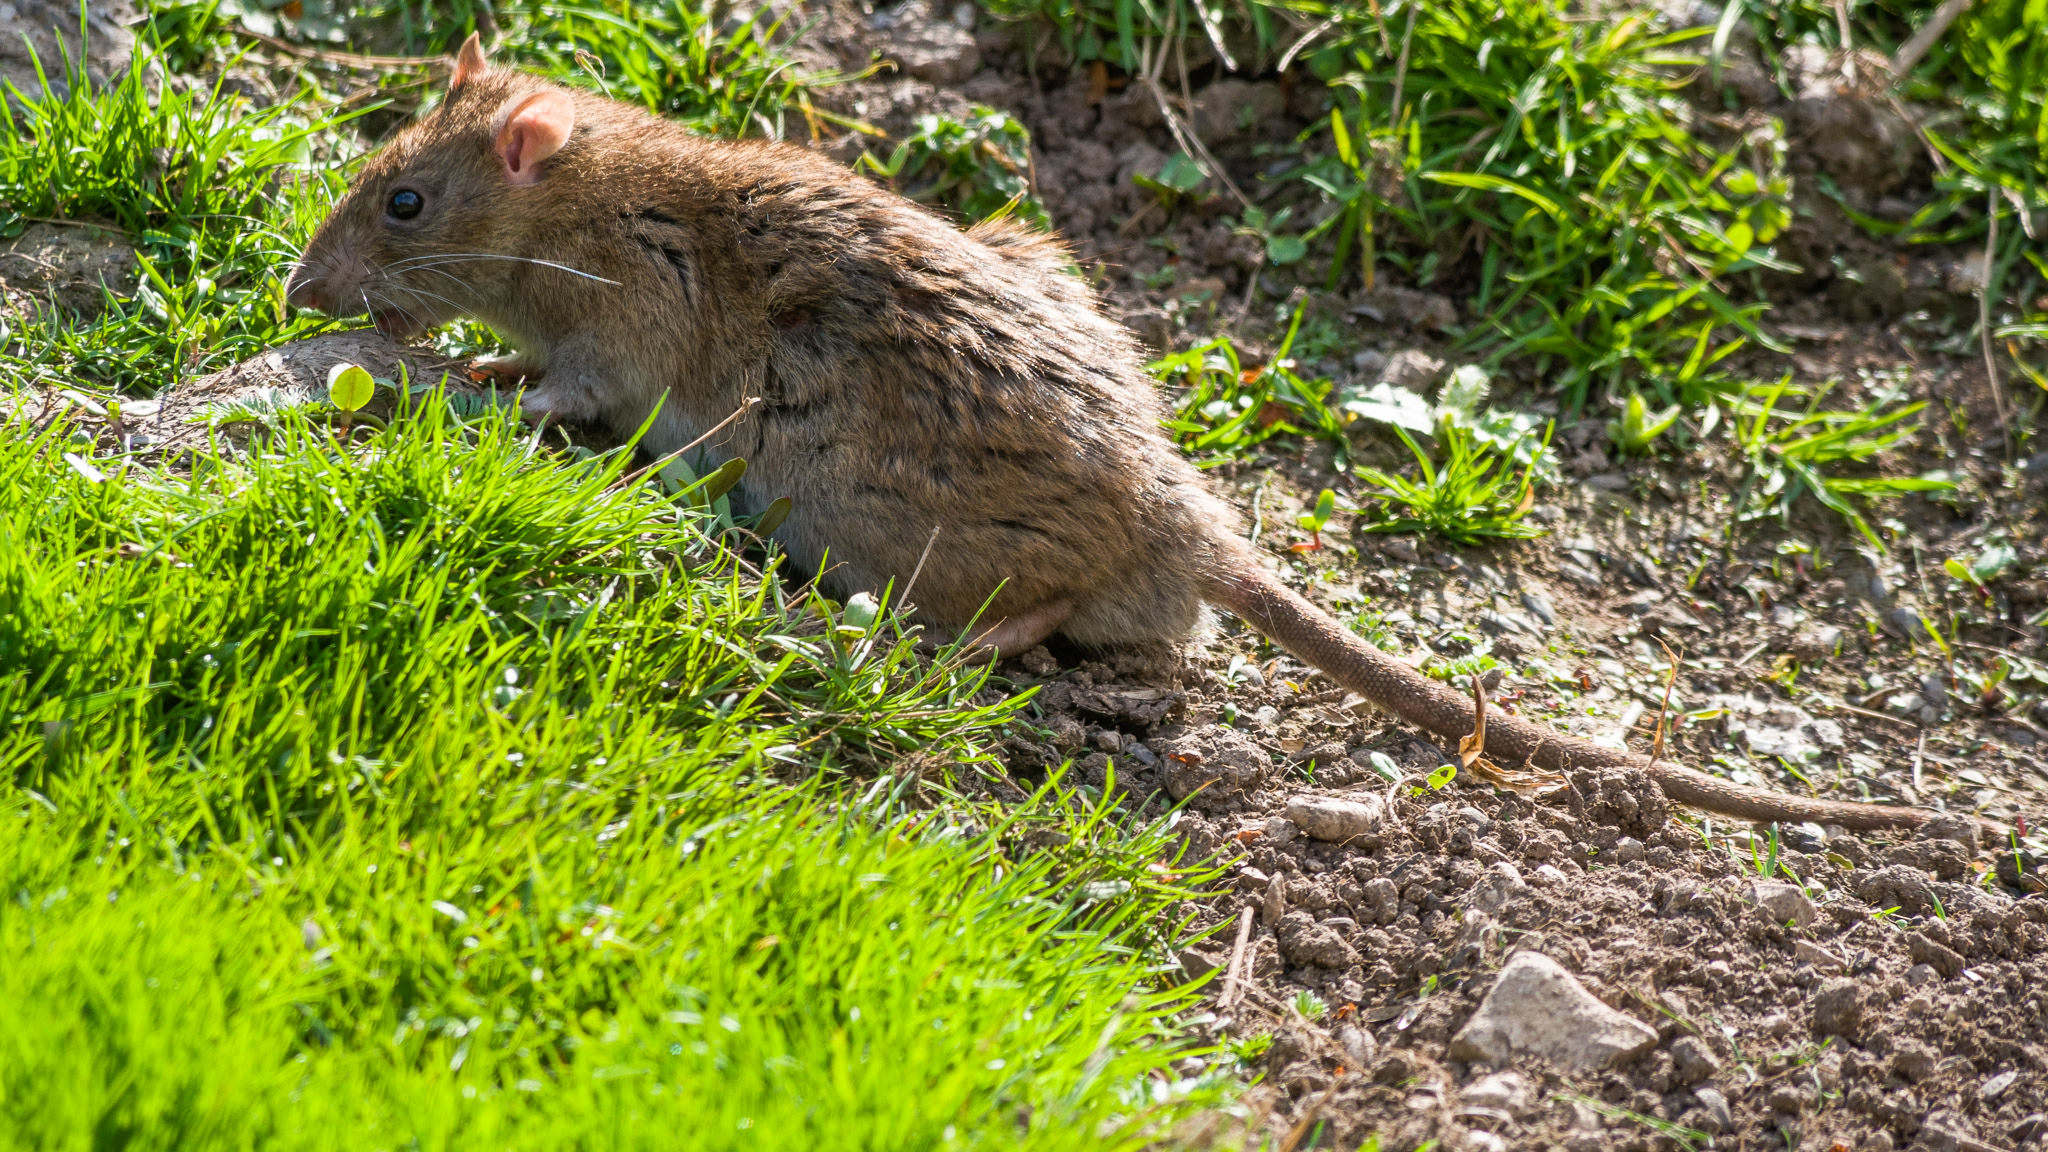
(1920, 974)
(1198, 964)
(1230, 107)
(1537, 1008)
(1540, 607)
(1807, 952)
(1507, 1091)
(1895, 886)
(1578, 574)
(1274, 908)
(928, 46)
(1996, 1086)
(1629, 850)
(2028, 1128)
(1337, 818)
(1305, 942)
(296, 373)
(1280, 830)
(74, 266)
(1413, 369)
(1692, 1061)
(1940, 957)
(1786, 903)
(1838, 1009)
(1358, 1045)
(1720, 1117)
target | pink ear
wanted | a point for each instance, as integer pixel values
(531, 129)
(469, 62)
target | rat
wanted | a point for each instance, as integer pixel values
(910, 376)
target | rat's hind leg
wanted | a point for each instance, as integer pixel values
(1016, 633)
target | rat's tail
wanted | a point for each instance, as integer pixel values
(1310, 633)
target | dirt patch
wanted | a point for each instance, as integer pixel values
(1877, 992)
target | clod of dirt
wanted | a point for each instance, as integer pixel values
(74, 266)
(1216, 762)
(1538, 1009)
(930, 46)
(1231, 107)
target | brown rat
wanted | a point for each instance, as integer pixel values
(912, 376)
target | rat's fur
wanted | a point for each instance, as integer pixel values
(912, 376)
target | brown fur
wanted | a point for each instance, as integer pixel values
(913, 376)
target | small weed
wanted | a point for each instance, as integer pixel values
(1795, 453)
(1473, 495)
(1637, 429)
(1310, 1006)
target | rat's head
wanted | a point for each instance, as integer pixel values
(433, 224)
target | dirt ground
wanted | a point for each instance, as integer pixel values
(1867, 992)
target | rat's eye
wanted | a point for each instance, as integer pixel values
(405, 204)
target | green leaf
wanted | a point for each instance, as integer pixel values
(1442, 776)
(772, 518)
(349, 387)
(1284, 250)
(725, 479)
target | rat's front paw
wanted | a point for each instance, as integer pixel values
(505, 371)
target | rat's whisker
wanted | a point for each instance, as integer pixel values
(456, 257)
(421, 292)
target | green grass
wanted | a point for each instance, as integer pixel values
(436, 794)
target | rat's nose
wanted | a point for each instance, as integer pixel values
(302, 288)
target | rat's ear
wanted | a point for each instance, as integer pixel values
(532, 128)
(469, 62)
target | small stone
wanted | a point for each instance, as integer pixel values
(1280, 830)
(1537, 1008)
(1412, 369)
(1786, 903)
(1337, 818)
(1305, 942)
(1540, 607)
(1720, 1117)
(1275, 907)
(1787, 1101)
(1838, 1009)
(1579, 574)
(1629, 850)
(1506, 1091)
(1921, 974)
(1996, 1086)
(1807, 952)
(1198, 964)
(1940, 957)
(1358, 1045)
(1692, 1061)
(2028, 1128)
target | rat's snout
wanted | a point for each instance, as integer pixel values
(303, 288)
